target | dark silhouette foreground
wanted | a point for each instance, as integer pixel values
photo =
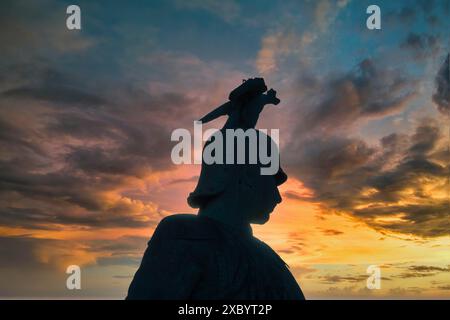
(213, 255)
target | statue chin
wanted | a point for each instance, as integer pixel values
(261, 219)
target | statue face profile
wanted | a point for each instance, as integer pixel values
(258, 197)
(249, 199)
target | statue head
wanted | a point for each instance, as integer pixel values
(239, 192)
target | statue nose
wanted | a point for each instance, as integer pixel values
(278, 197)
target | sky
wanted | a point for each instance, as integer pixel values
(86, 118)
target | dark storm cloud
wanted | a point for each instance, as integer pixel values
(57, 94)
(54, 217)
(99, 161)
(369, 91)
(442, 95)
(81, 126)
(422, 45)
(16, 139)
(41, 82)
(424, 140)
(56, 187)
(323, 164)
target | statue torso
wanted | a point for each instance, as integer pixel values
(230, 264)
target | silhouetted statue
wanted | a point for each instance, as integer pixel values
(213, 255)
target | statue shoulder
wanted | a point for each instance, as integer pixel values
(269, 252)
(185, 226)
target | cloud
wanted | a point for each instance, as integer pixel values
(300, 272)
(326, 12)
(334, 279)
(38, 254)
(415, 10)
(80, 151)
(275, 47)
(296, 196)
(81, 147)
(369, 91)
(422, 268)
(444, 287)
(41, 253)
(125, 277)
(38, 29)
(420, 271)
(121, 214)
(18, 251)
(347, 292)
(396, 186)
(119, 261)
(289, 39)
(184, 180)
(403, 15)
(442, 95)
(422, 45)
(407, 275)
(123, 245)
(401, 292)
(331, 232)
(74, 152)
(54, 93)
(33, 267)
(228, 10)
(331, 279)
(82, 143)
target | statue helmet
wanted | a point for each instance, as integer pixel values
(248, 88)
